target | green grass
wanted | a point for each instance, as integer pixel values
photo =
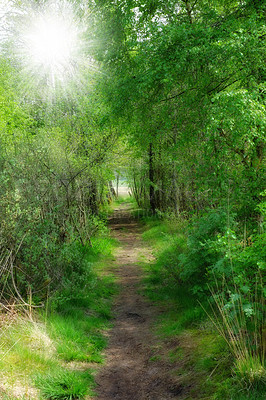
(78, 338)
(65, 385)
(124, 199)
(202, 357)
(78, 329)
(55, 354)
(161, 282)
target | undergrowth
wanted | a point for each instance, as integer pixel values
(189, 258)
(54, 355)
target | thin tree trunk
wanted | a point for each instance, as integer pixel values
(151, 178)
(117, 184)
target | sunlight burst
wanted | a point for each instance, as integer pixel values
(52, 43)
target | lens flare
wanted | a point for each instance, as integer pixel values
(49, 42)
(52, 43)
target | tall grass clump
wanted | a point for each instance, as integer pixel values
(65, 385)
(241, 325)
(237, 301)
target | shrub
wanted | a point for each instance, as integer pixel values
(201, 254)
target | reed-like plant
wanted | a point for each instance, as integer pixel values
(240, 321)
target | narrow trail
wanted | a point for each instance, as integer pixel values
(129, 372)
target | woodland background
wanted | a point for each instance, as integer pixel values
(174, 99)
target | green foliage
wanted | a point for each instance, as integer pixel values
(207, 270)
(163, 282)
(200, 256)
(181, 92)
(213, 257)
(49, 201)
(193, 75)
(50, 349)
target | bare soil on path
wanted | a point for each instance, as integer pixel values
(130, 371)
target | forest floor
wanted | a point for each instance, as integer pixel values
(132, 370)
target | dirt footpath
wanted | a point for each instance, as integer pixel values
(130, 373)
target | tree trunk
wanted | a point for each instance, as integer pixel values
(151, 178)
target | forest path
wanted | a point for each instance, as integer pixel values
(130, 373)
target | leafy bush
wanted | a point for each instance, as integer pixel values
(199, 255)
(225, 272)
(48, 264)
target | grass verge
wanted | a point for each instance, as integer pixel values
(188, 340)
(55, 355)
